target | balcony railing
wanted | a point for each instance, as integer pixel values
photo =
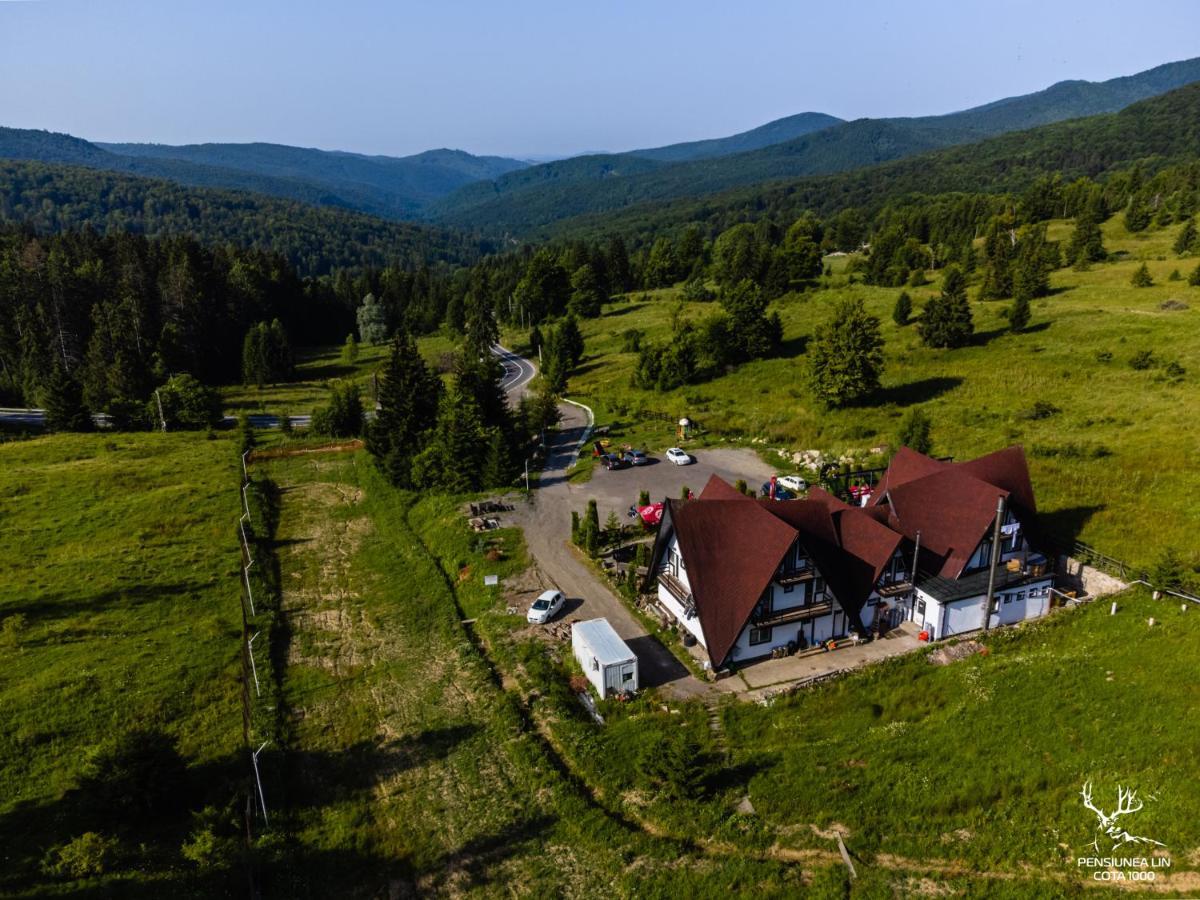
(795, 576)
(796, 614)
(675, 587)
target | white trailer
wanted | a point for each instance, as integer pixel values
(606, 660)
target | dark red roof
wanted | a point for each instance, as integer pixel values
(1006, 469)
(718, 488)
(731, 549)
(952, 510)
(905, 466)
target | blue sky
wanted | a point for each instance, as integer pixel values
(523, 78)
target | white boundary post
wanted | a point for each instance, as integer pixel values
(253, 667)
(258, 780)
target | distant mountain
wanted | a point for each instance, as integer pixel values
(534, 198)
(1153, 133)
(763, 136)
(392, 187)
(56, 197)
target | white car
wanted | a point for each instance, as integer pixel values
(546, 607)
(794, 483)
(679, 457)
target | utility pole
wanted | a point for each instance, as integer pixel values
(991, 590)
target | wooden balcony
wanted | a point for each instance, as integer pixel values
(796, 576)
(675, 587)
(796, 614)
(895, 589)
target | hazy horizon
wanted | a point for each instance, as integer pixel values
(535, 81)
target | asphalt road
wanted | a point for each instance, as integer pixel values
(546, 521)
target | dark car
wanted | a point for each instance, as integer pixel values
(614, 461)
(781, 493)
(636, 457)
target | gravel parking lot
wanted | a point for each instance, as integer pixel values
(546, 520)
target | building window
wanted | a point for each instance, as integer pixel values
(627, 676)
(1020, 596)
(788, 588)
(760, 636)
(1008, 598)
(921, 608)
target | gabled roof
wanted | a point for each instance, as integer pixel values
(952, 510)
(732, 549)
(717, 488)
(907, 465)
(849, 546)
(1006, 469)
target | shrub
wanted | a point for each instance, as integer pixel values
(186, 404)
(11, 629)
(86, 856)
(1175, 276)
(1042, 409)
(343, 417)
(1142, 360)
(1141, 277)
(1174, 370)
(902, 311)
(137, 779)
(631, 340)
(1104, 356)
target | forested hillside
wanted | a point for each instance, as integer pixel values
(1154, 133)
(392, 187)
(775, 132)
(55, 198)
(531, 200)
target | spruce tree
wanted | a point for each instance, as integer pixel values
(454, 455)
(846, 357)
(63, 401)
(1018, 314)
(1087, 243)
(1031, 272)
(1194, 276)
(408, 402)
(916, 431)
(946, 320)
(1185, 243)
(1141, 277)
(587, 297)
(998, 252)
(902, 311)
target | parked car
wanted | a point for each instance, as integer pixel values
(614, 461)
(781, 493)
(679, 457)
(794, 483)
(637, 457)
(546, 607)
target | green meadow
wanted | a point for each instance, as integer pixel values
(1111, 447)
(118, 612)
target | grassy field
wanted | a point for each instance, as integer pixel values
(409, 767)
(974, 766)
(1110, 466)
(118, 611)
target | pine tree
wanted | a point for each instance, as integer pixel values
(946, 320)
(570, 341)
(997, 271)
(1185, 243)
(587, 298)
(1018, 314)
(902, 311)
(846, 357)
(916, 431)
(63, 401)
(1031, 272)
(1087, 243)
(408, 403)
(454, 455)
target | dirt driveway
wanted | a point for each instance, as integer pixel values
(546, 520)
